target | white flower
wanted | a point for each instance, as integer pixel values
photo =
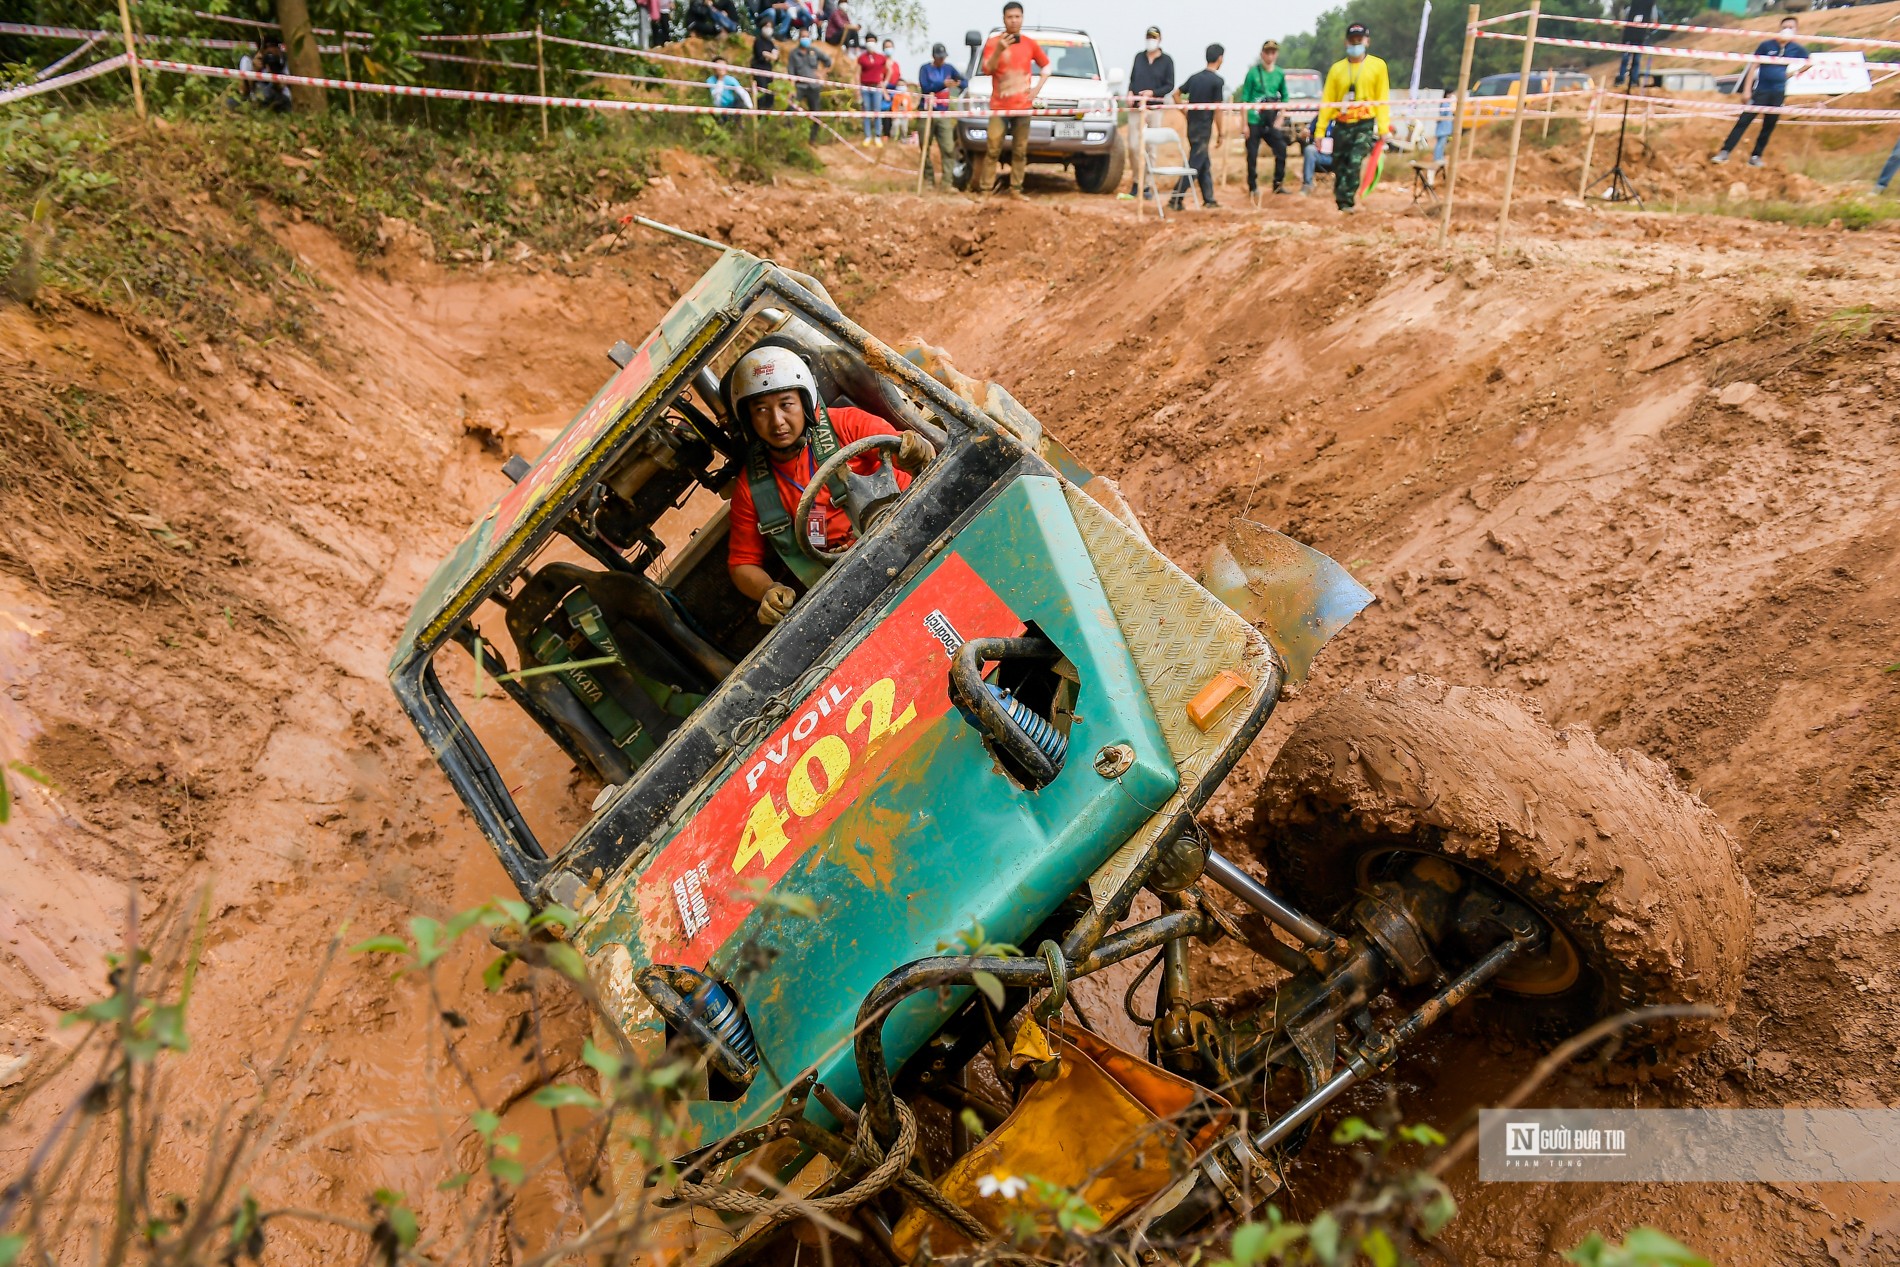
(1009, 1187)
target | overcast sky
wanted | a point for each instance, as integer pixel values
(1187, 26)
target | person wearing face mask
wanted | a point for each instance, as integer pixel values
(808, 61)
(893, 79)
(789, 434)
(1770, 89)
(1150, 83)
(764, 53)
(871, 89)
(1355, 101)
(934, 80)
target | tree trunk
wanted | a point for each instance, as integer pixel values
(300, 49)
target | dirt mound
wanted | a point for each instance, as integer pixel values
(1640, 467)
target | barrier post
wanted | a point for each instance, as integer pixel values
(1141, 153)
(1458, 123)
(1550, 106)
(132, 58)
(1648, 106)
(541, 79)
(344, 44)
(1590, 141)
(1517, 121)
(924, 133)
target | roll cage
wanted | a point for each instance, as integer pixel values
(659, 381)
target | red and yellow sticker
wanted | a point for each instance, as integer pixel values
(821, 759)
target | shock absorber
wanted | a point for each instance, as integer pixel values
(1051, 742)
(721, 1014)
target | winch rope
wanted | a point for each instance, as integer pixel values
(892, 1167)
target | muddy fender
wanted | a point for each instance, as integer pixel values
(1297, 596)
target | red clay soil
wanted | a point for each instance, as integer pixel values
(1641, 469)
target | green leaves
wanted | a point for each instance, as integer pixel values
(1354, 1129)
(6, 797)
(563, 1095)
(992, 988)
(1643, 1247)
(398, 1217)
(1323, 1235)
(501, 1148)
(606, 1064)
(566, 960)
(10, 1247)
(512, 920)
(1438, 1211)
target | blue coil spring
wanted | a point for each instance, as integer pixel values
(1045, 736)
(713, 1005)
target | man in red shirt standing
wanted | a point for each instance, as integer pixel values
(790, 434)
(1008, 59)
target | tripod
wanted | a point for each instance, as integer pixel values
(1615, 183)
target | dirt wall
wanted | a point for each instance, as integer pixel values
(1640, 468)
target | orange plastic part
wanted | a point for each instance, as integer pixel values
(1221, 690)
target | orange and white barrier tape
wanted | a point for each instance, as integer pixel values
(1652, 50)
(1750, 32)
(93, 71)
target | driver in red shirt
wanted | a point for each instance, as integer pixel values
(790, 434)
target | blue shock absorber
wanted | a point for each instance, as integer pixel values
(722, 1014)
(1041, 733)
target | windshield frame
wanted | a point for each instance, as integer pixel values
(686, 767)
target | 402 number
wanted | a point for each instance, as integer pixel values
(818, 773)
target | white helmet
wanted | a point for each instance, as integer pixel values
(772, 369)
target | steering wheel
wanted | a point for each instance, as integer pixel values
(868, 493)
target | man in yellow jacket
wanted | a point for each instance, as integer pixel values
(1354, 103)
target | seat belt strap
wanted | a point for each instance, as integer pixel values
(775, 522)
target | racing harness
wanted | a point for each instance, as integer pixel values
(821, 441)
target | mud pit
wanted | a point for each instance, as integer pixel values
(1643, 472)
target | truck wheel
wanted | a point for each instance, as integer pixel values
(960, 169)
(1101, 173)
(1641, 886)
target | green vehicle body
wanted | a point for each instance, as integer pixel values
(830, 812)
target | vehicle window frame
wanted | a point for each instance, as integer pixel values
(478, 782)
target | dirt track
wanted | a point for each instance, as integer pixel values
(1643, 470)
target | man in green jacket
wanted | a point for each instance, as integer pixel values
(1265, 82)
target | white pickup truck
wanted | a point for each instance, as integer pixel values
(1086, 140)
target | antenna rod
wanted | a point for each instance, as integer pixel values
(680, 233)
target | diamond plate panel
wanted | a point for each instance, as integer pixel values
(1179, 636)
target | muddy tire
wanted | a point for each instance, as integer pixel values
(1101, 173)
(962, 167)
(1637, 875)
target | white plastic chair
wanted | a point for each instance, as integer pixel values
(1153, 139)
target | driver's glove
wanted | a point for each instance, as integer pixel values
(776, 604)
(914, 452)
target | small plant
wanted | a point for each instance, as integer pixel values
(1391, 1207)
(1643, 1247)
(25, 771)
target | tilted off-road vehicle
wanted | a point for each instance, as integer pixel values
(813, 850)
